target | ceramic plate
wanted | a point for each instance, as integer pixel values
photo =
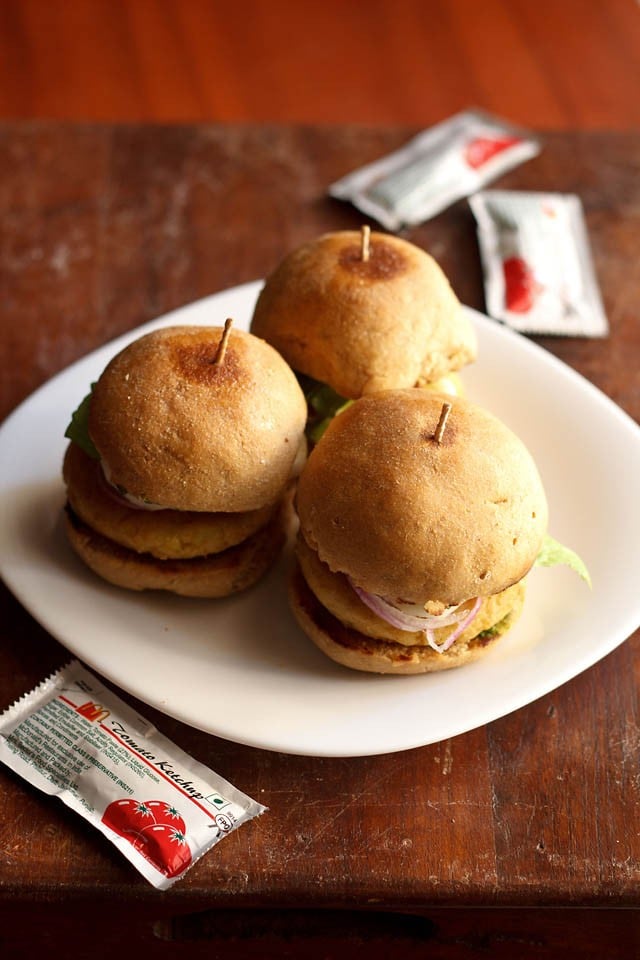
(241, 669)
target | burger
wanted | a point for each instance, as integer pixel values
(420, 517)
(180, 468)
(356, 313)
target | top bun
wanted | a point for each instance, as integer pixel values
(364, 325)
(175, 429)
(412, 519)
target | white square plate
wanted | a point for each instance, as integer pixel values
(241, 669)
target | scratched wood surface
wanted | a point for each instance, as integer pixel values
(107, 227)
(551, 64)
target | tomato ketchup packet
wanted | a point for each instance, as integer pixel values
(73, 738)
(444, 163)
(538, 272)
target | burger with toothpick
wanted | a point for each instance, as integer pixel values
(420, 517)
(181, 462)
(356, 313)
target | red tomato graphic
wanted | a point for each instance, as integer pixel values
(163, 846)
(521, 287)
(164, 812)
(155, 828)
(482, 149)
(123, 816)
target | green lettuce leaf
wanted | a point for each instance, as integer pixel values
(316, 430)
(324, 400)
(552, 553)
(325, 404)
(78, 429)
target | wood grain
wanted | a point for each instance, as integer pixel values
(520, 837)
(549, 65)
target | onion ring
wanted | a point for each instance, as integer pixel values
(411, 624)
(462, 626)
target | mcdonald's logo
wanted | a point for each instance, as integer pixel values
(93, 711)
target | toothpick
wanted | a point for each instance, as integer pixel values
(222, 346)
(366, 235)
(442, 422)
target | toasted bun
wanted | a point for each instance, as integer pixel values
(411, 518)
(174, 428)
(214, 576)
(363, 326)
(356, 650)
(166, 534)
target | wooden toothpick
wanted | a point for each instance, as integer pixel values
(442, 422)
(222, 346)
(366, 236)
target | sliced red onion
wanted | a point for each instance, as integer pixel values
(453, 636)
(427, 624)
(396, 618)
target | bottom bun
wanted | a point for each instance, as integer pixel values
(358, 651)
(212, 576)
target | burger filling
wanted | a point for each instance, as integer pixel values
(138, 503)
(78, 433)
(323, 404)
(395, 621)
(413, 617)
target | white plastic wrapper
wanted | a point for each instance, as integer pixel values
(538, 271)
(73, 738)
(441, 165)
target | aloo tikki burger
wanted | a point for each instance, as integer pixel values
(354, 313)
(420, 517)
(180, 469)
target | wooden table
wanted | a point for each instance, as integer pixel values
(518, 839)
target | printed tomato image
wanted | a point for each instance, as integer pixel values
(164, 812)
(480, 150)
(163, 846)
(521, 287)
(123, 816)
(155, 828)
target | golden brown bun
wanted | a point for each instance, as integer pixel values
(363, 326)
(214, 576)
(175, 534)
(353, 649)
(335, 593)
(178, 430)
(413, 519)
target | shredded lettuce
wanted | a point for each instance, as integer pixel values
(78, 429)
(552, 553)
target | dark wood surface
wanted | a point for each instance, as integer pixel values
(106, 227)
(545, 63)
